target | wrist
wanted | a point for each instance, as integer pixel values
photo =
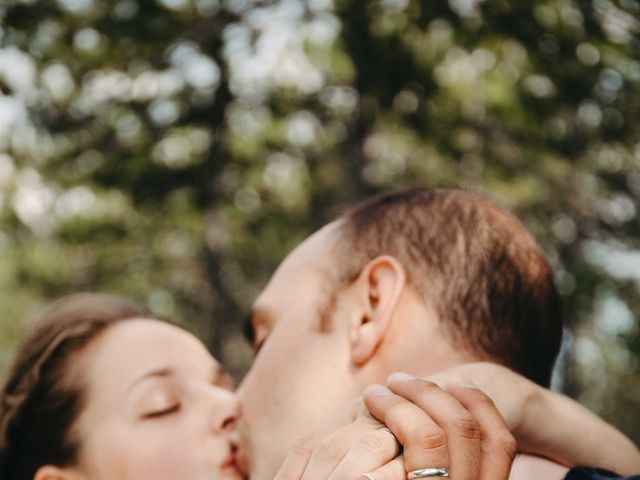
(526, 422)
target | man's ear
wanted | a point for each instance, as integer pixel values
(51, 472)
(380, 286)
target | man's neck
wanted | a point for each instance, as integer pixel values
(416, 344)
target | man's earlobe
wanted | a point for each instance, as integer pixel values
(380, 286)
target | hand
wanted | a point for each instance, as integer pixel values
(457, 427)
(350, 445)
(355, 444)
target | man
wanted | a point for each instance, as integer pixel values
(417, 281)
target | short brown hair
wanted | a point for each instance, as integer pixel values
(38, 401)
(474, 263)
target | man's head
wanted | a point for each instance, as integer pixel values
(414, 281)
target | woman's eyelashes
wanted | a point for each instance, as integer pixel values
(162, 412)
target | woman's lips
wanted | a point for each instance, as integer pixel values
(230, 462)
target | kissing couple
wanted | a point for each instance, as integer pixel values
(412, 337)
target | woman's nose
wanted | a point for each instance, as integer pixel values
(226, 411)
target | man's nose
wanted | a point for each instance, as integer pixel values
(244, 387)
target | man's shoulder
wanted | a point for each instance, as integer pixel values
(530, 467)
(586, 473)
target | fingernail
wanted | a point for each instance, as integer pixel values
(400, 377)
(373, 476)
(376, 389)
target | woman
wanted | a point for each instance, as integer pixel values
(103, 389)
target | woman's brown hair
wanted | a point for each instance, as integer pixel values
(38, 401)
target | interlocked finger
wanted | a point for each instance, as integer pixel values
(368, 453)
(329, 451)
(393, 470)
(498, 444)
(461, 428)
(424, 442)
(336, 435)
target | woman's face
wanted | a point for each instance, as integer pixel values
(159, 407)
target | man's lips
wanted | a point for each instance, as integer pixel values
(240, 446)
(241, 460)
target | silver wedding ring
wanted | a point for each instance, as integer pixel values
(428, 472)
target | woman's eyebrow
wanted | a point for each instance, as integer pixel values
(158, 372)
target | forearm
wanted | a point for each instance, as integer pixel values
(548, 424)
(561, 429)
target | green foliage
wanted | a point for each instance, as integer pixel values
(175, 150)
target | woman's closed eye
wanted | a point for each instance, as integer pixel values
(162, 412)
(160, 403)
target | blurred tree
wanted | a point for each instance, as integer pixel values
(175, 150)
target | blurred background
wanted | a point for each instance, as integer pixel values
(175, 150)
